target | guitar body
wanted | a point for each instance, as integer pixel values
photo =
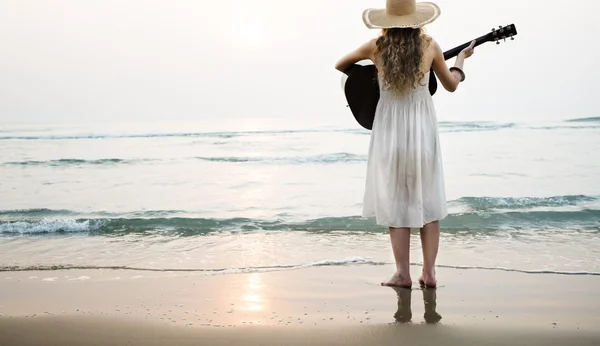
(362, 92)
(361, 86)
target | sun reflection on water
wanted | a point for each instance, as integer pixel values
(252, 297)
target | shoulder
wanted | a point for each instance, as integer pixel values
(367, 49)
(369, 46)
(429, 42)
(433, 45)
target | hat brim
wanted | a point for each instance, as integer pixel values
(425, 13)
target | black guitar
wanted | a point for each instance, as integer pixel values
(362, 88)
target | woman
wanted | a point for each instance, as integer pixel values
(405, 184)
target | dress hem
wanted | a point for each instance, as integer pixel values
(387, 224)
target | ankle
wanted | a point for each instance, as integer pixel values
(403, 271)
(428, 271)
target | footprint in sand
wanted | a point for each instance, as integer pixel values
(81, 278)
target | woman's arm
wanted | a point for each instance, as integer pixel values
(363, 52)
(449, 79)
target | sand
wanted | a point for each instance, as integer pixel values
(316, 306)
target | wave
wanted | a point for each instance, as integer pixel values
(493, 203)
(586, 219)
(570, 124)
(480, 204)
(76, 162)
(260, 269)
(449, 126)
(21, 214)
(535, 272)
(444, 126)
(224, 135)
(55, 226)
(319, 159)
(324, 263)
(175, 225)
(585, 120)
(326, 158)
(459, 223)
(35, 213)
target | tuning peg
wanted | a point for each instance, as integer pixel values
(512, 38)
(497, 42)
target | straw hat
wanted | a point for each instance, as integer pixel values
(401, 14)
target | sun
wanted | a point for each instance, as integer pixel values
(250, 25)
(252, 32)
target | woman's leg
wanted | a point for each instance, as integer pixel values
(430, 241)
(400, 238)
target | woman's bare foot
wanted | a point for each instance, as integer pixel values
(399, 280)
(428, 279)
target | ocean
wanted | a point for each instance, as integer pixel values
(258, 195)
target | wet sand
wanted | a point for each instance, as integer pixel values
(317, 306)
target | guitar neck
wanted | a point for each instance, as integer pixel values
(455, 51)
(496, 35)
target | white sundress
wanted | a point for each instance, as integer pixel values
(405, 176)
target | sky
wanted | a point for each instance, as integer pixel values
(182, 60)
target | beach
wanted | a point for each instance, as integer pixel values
(316, 306)
(217, 235)
(191, 173)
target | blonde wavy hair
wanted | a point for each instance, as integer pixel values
(399, 53)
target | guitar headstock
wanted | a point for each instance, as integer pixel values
(502, 33)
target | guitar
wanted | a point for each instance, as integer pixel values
(361, 87)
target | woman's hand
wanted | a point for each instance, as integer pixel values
(467, 52)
